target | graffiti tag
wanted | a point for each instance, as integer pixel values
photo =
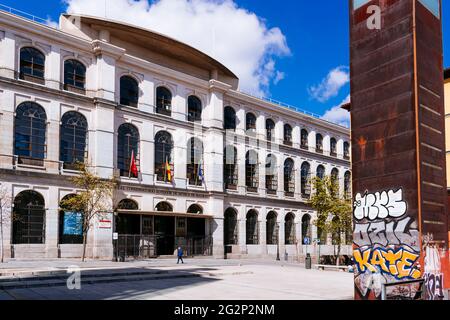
(379, 205)
(399, 263)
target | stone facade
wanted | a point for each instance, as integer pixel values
(109, 52)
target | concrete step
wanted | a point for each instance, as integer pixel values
(105, 278)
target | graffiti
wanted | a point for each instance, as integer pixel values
(401, 232)
(379, 205)
(400, 263)
(434, 279)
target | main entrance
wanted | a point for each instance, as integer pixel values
(154, 235)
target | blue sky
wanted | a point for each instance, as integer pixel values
(316, 34)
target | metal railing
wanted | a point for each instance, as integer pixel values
(25, 15)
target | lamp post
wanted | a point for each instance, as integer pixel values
(278, 242)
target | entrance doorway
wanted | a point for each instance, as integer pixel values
(165, 235)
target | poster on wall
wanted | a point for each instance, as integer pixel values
(73, 223)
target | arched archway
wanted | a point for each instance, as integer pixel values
(271, 228)
(70, 223)
(306, 229)
(289, 229)
(230, 227)
(252, 228)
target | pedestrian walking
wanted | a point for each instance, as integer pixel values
(180, 255)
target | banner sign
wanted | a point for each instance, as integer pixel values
(73, 223)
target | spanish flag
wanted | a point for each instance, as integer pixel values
(168, 171)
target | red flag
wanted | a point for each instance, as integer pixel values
(133, 167)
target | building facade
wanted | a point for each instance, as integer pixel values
(200, 164)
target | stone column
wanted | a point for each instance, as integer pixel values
(52, 224)
(53, 72)
(8, 56)
(180, 158)
(147, 153)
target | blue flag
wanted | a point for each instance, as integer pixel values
(200, 173)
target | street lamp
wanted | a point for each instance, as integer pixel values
(278, 242)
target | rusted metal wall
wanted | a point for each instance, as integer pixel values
(398, 144)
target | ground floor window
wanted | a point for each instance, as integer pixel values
(29, 218)
(230, 227)
(272, 228)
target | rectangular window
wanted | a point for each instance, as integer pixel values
(433, 6)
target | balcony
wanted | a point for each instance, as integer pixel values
(31, 78)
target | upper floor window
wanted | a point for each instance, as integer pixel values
(127, 150)
(30, 134)
(251, 171)
(289, 179)
(335, 177)
(304, 139)
(319, 143)
(271, 174)
(250, 123)
(74, 76)
(320, 173)
(287, 135)
(194, 109)
(270, 129)
(229, 119)
(163, 156)
(32, 65)
(194, 169)
(230, 168)
(73, 139)
(129, 91)
(333, 147)
(163, 101)
(346, 150)
(347, 185)
(306, 179)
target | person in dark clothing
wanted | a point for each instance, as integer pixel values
(180, 255)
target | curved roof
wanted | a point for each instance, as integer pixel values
(156, 42)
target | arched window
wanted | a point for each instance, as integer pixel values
(74, 76)
(335, 178)
(70, 224)
(194, 109)
(272, 228)
(194, 164)
(128, 204)
(229, 119)
(73, 139)
(163, 101)
(306, 229)
(346, 150)
(333, 147)
(304, 139)
(250, 124)
(163, 156)
(319, 143)
(289, 178)
(252, 230)
(306, 180)
(347, 185)
(287, 135)
(129, 91)
(29, 218)
(30, 134)
(164, 207)
(320, 173)
(230, 227)
(127, 148)
(195, 209)
(251, 171)
(32, 65)
(289, 229)
(270, 130)
(271, 174)
(230, 168)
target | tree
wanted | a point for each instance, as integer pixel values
(334, 213)
(5, 207)
(94, 201)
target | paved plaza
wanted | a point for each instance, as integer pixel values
(202, 279)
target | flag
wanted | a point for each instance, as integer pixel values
(168, 171)
(200, 172)
(133, 167)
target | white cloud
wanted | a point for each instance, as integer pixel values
(338, 115)
(236, 37)
(330, 86)
(51, 23)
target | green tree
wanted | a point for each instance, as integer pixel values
(94, 201)
(334, 213)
